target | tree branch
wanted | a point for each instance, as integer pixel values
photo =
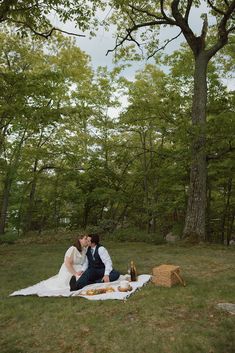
(231, 29)
(226, 2)
(132, 20)
(204, 28)
(215, 8)
(117, 45)
(189, 5)
(165, 45)
(5, 7)
(145, 12)
(182, 23)
(134, 40)
(46, 167)
(128, 37)
(222, 31)
(44, 34)
(221, 154)
(168, 19)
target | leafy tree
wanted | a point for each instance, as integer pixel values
(35, 97)
(220, 137)
(138, 22)
(32, 16)
(219, 141)
(151, 123)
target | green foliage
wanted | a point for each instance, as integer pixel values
(32, 17)
(9, 238)
(67, 163)
(135, 235)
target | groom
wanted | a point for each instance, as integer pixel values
(99, 266)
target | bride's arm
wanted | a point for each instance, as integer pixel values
(85, 264)
(69, 264)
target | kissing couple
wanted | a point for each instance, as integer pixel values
(97, 266)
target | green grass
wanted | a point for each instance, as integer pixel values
(154, 320)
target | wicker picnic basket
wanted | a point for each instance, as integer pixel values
(167, 276)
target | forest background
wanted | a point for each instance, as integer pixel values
(67, 162)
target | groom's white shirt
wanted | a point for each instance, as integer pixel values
(106, 259)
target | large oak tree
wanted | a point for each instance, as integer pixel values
(139, 24)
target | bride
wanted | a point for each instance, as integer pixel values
(74, 265)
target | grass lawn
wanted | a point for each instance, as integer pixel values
(154, 320)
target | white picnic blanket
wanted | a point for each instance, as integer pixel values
(41, 290)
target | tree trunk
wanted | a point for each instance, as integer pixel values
(225, 215)
(57, 204)
(10, 174)
(208, 214)
(145, 182)
(31, 205)
(5, 201)
(123, 215)
(86, 212)
(154, 194)
(230, 228)
(195, 222)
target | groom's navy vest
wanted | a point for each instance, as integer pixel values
(95, 262)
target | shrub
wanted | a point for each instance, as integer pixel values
(9, 238)
(135, 235)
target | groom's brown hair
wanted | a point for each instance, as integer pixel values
(95, 238)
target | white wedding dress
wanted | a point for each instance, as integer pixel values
(61, 280)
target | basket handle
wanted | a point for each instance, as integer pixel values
(180, 278)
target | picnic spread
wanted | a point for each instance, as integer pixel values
(96, 291)
(163, 275)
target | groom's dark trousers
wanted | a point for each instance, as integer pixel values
(94, 275)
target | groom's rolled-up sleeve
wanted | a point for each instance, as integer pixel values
(106, 259)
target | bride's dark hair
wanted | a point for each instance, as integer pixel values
(77, 243)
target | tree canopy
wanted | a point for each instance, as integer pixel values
(163, 164)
